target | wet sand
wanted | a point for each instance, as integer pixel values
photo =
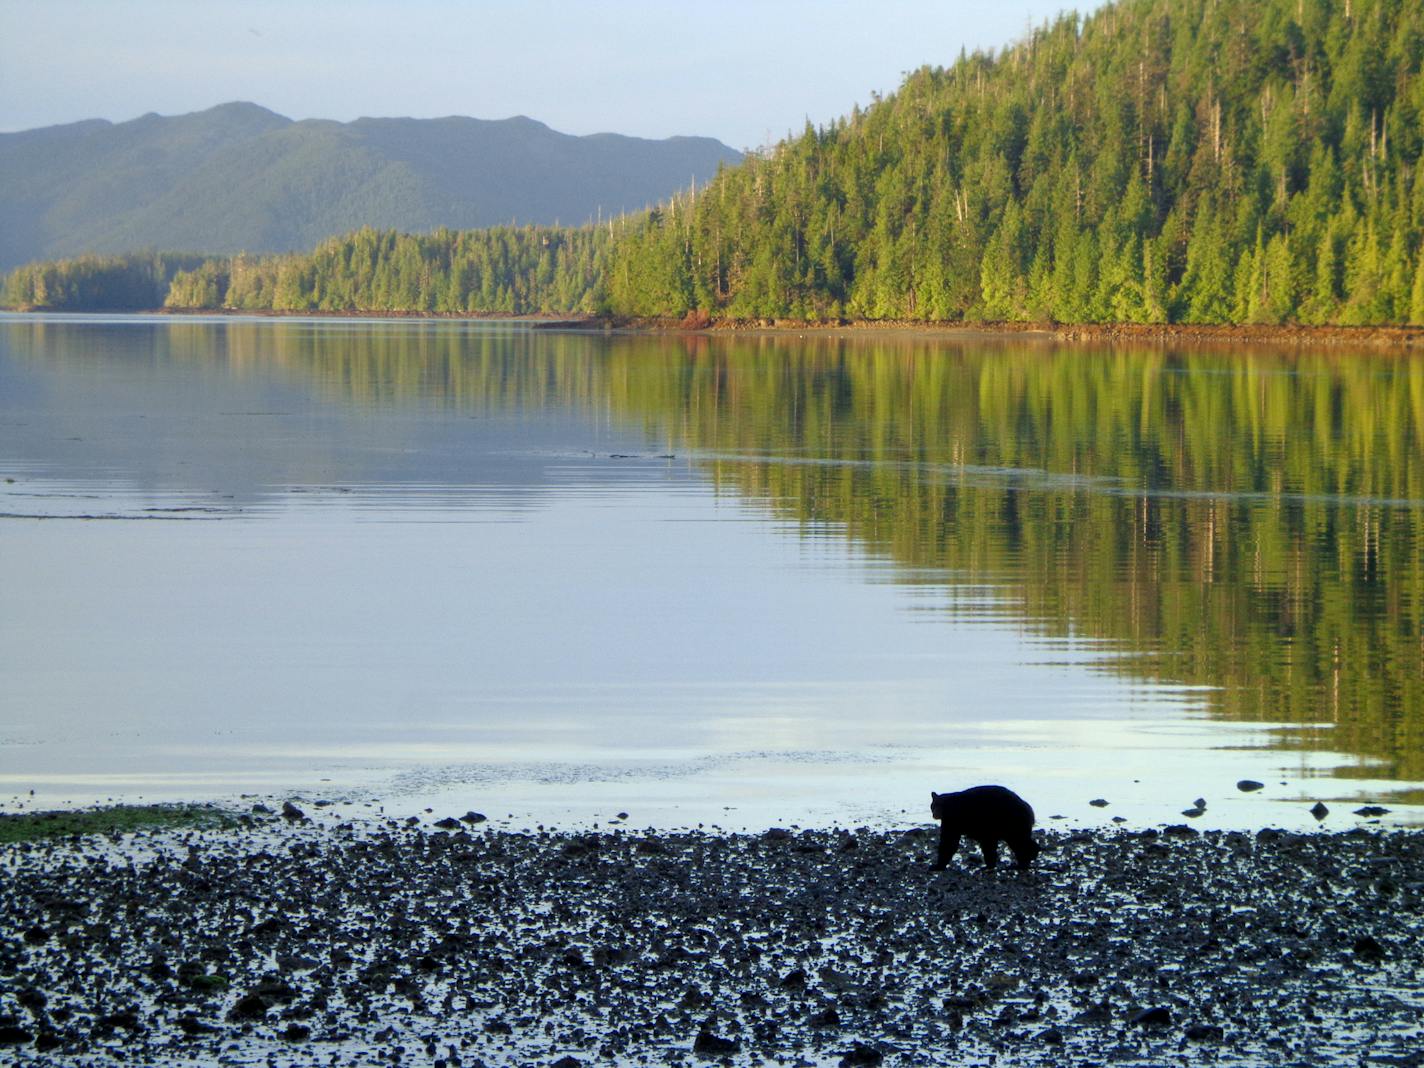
(308, 944)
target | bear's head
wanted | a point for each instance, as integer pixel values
(939, 805)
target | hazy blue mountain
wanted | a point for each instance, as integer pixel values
(239, 177)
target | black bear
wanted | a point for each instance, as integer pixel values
(989, 815)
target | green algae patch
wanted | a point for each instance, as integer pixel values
(113, 819)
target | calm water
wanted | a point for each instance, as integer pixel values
(731, 581)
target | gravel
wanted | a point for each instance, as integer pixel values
(301, 944)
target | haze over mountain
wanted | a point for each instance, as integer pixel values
(239, 177)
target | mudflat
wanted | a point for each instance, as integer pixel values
(347, 943)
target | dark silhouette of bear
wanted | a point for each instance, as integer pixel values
(989, 815)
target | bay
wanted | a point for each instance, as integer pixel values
(725, 580)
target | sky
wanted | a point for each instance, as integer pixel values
(743, 71)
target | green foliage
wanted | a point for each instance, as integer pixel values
(505, 270)
(1160, 159)
(96, 283)
(113, 819)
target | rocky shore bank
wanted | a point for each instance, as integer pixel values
(289, 943)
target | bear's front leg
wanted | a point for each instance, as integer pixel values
(948, 843)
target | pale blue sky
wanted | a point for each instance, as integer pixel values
(744, 71)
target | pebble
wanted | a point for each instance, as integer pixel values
(709, 1044)
(1367, 947)
(1157, 1016)
(1204, 1033)
(861, 1054)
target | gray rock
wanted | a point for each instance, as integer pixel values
(1096, 1014)
(15, 1035)
(1247, 786)
(1367, 947)
(1204, 1033)
(1319, 810)
(1098, 802)
(1157, 1016)
(292, 812)
(1371, 810)
(860, 1054)
(708, 1044)
(248, 1007)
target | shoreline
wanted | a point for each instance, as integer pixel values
(1408, 338)
(340, 944)
(1404, 337)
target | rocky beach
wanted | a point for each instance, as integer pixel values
(285, 941)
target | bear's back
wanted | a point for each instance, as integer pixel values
(990, 812)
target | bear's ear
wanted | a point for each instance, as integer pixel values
(934, 796)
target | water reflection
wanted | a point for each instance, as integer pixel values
(1240, 527)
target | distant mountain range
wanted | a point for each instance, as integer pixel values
(239, 177)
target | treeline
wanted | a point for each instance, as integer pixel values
(504, 270)
(1160, 160)
(96, 283)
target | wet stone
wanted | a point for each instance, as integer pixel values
(1157, 1016)
(1247, 786)
(249, 1007)
(1368, 948)
(1204, 1033)
(861, 1054)
(15, 1035)
(713, 1045)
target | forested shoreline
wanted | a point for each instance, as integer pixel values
(1159, 161)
